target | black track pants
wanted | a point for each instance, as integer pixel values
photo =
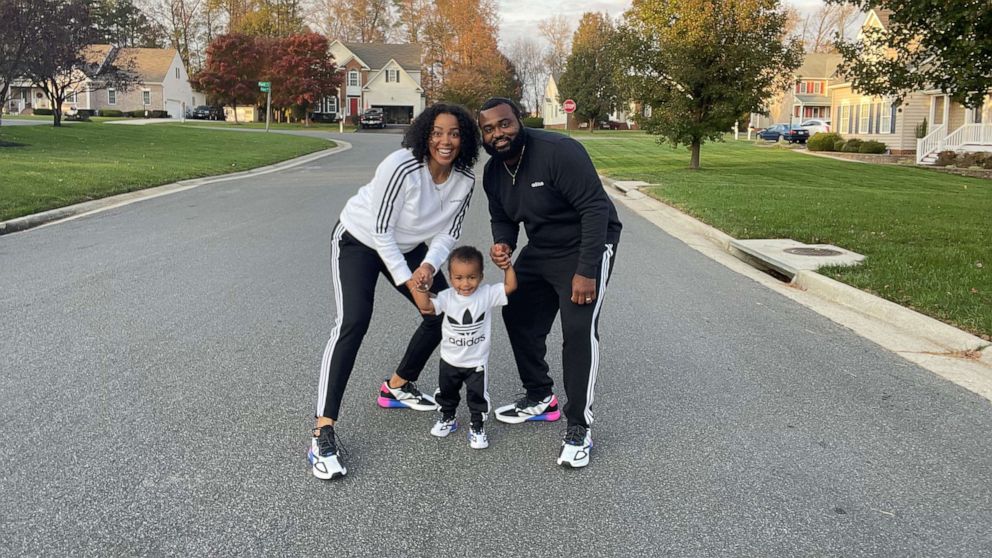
(355, 269)
(545, 289)
(450, 383)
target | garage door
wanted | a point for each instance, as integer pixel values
(174, 108)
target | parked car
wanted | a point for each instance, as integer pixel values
(373, 118)
(816, 125)
(205, 112)
(774, 132)
(797, 134)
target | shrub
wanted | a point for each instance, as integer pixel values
(823, 141)
(135, 113)
(922, 129)
(43, 112)
(86, 113)
(839, 145)
(111, 112)
(987, 163)
(534, 122)
(945, 158)
(967, 160)
(852, 145)
(872, 146)
(158, 114)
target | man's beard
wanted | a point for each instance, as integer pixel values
(516, 145)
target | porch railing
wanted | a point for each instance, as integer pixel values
(932, 143)
(970, 134)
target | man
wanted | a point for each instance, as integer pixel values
(547, 182)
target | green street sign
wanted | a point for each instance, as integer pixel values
(265, 84)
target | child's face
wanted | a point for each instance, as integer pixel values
(465, 276)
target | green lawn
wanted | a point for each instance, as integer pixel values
(926, 235)
(316, 126)
(54, 167)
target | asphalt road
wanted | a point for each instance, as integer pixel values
(158, 368)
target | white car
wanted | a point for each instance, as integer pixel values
(816, 125)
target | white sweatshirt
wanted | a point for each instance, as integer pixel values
(402, 207)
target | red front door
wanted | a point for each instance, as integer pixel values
(353, 105)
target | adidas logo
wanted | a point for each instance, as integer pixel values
(467, 326)
(536, 184)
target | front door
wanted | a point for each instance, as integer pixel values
(353, 106)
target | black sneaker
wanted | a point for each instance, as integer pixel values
(406, 396)
(324, 456)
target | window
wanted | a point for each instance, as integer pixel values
(864, 126)
(353, 78)
(845, 119)
(111, 96)
(885, 122)
(177, 72)
(392, 76)
(71, 97)
(146, 97)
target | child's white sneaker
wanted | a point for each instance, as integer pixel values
(444, 426)
(477, 438)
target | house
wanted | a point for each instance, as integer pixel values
(923, 122)
(162, 84)
(554, 116)
(377, 75)
(808, 97)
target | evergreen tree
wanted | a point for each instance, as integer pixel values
(588, 78)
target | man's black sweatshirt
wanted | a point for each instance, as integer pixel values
(559, 198)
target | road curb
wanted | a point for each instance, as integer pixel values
(950, 340)
(85, 208)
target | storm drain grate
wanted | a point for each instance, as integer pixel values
(805, 251)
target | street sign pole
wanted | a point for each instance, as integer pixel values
(569, 107)
(268, 107)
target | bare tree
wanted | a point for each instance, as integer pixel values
(818, 29)
(558, 32)
(360, 21)
(528, 59)
(18, 33)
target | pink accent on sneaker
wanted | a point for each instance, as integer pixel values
(386, 403)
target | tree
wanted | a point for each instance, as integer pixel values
(462, 59)
(700, 64)
(528, 59)
(234, 65)
(926, 44)
(184, 25)
(61, 62)
(557, 31)
(121, 23)
(588, 78)
(302, 72)
(361, 21)
(18, 34)
(271, 18)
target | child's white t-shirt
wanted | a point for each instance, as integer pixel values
(467, 327)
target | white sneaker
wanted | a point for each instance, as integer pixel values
(444, 426)
(406, 396)
(575, 447)
(523, 410)
(477, 438)
(324, 457)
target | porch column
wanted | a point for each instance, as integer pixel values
(947, 114)
(933, 112)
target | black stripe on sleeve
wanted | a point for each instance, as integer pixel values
(395, 182)
(456, 226)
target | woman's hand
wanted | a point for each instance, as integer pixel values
(423, 277)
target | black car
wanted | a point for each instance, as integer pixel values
(787, 132)
(204, 112)
(373, 118)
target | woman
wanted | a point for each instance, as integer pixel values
(419, 195)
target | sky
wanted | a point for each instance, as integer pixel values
(518, 18)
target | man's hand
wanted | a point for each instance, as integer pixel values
(583, 290)
(423, 276)
(500, 254)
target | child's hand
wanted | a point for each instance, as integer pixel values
(500, 255)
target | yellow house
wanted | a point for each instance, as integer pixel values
(949, 125)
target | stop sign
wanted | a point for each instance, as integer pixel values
(568, 106)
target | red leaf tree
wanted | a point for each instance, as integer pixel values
(235, 63)
(302, 72)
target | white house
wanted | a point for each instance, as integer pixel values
(377, 75)
(554, 116)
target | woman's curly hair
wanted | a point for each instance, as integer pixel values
(418, 136)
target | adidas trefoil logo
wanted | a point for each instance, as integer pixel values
(468, 326)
